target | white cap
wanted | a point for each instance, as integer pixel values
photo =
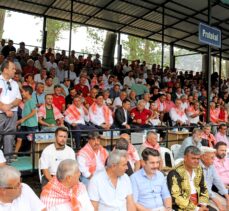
(204, 149)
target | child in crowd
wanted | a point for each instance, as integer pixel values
(29, 121)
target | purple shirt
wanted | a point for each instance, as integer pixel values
(220, 137)
(222, 168)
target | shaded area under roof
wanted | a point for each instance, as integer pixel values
(142, 18)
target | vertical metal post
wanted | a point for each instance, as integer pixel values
(162, 44)
(70, 35)
(171, 56)
(44, 37)
(220, 70)
(209, 67)
(119, 53)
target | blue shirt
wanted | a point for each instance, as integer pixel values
(212, 178)
(39, 99)
(186, 143)
(149, 192)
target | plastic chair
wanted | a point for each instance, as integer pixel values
(165, 154)
(175, 149)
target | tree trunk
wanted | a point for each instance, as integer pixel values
(109, 49)
(2, 19)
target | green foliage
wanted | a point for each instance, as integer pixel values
(54, 30)
(2, 19)
(96, 39)
(143, 49)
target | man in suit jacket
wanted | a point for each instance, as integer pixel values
(122, 118)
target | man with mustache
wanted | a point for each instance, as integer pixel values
(149, 186)
(91, 157)
(221, 162)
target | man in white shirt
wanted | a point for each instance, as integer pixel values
(91, 157)
(15, 195)
(54, 154)
(64, 192)
(178, 115)
(129, 80)
(10, 97)
(100, 114)
(76, 115)
(110, 190)
(40, 77)
(51, 63)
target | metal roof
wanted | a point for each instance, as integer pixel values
(142, 18)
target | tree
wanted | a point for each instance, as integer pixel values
(143, 49)
(54, 30)
(96, 39)
(2, 19)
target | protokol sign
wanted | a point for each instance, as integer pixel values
(209, 35)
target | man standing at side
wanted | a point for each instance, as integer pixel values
(149, 186)
(10, 98)
(55, 153)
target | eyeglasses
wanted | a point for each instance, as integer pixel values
(9, 85)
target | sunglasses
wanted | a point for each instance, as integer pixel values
(9, 86)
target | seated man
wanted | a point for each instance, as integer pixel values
(91, 157)
(149, 186)
(222, 134)
(122, 144)
(193, 112)
(186, 183)
(2, 159)
(122, 118)
(194, 140)
(58, 98)
(49, 116)
(39, 95)
(76, 115)
(100, 114)
(90, 99)
(141, 115)
(208, 138)
(54, 154)
(69, 98)
(212, 178)
(118, 101)
(178, 115)
(15, 195)
(110, 189)
(133, 156)
(150, 142)
(65, 192)
(221, 163)
(82, 86)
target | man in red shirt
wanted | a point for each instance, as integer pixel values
(82, 87)
(58, 99)
(89, 100)
(141, 115)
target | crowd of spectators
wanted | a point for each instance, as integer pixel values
(77, 91)
(49, 92)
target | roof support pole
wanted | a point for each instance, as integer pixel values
(209, 67)
(171, 56)
(162, 43)
(220, 70)
(119, 56)
(44, 37)
(70, 35)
